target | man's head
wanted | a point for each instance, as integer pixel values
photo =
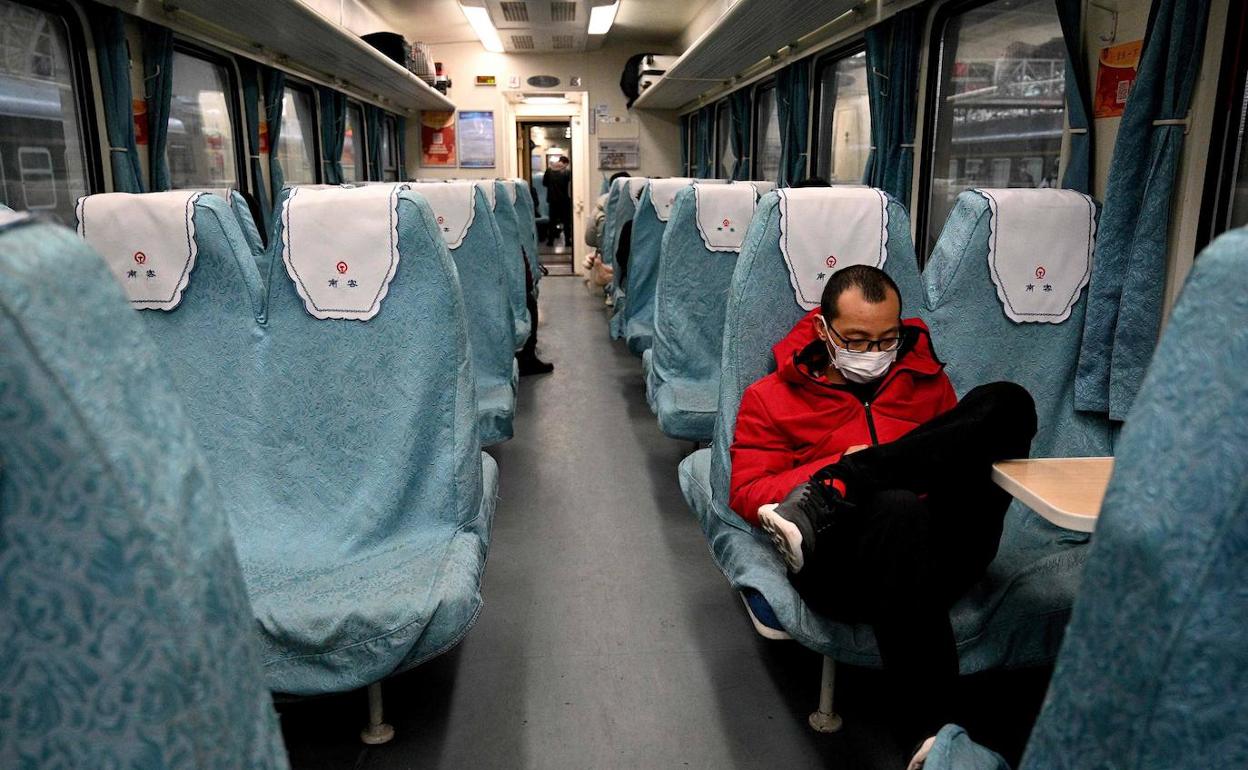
(563, 160)
(619, 175)
(860, 304)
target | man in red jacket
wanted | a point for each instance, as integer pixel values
(873, 480)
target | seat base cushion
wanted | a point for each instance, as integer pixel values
(496, 408)
(687, 408)
(640, 335)
(1014, 617)
(345, 626)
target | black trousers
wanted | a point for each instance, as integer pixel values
(927, 523)
(529, 351)
(561, 218)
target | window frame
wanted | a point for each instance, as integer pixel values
(35, 174)
(362, 127)
(390, 135)
(691, 138)
(82, 74)
(925, 145)
(233, 100)
(1231, 119)
(295, 84)
(722, 143)
(768, 83)
(824, 61)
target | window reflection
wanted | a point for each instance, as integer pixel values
(767, 131)
(201, 132)
(296, 147)
(844, 123)
(353, 160)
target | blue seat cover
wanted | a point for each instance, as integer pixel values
(1154, 670)
(505, 215)
(691, 290)
(480, 263)
(1006, 619)
(346, 451)
(127, 634)
(526, 222)
(637, 315)
(238, 204)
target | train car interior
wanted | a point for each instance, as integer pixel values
(624, 384)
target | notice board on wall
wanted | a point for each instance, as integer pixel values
(437, 138)
(1115, 74)
(476, 139)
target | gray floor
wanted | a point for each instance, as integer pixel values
(609, 638)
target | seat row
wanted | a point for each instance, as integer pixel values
(288, 442)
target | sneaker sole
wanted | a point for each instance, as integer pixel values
(784, 535)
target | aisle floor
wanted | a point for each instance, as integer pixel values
(609, 639)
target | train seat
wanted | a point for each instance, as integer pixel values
(469, 230)
(616, 244)
(129, 637)
(1153, 671)
(526, 221)
(346, 449)
(705, 233)
(506, 216)
(246, 220)
(1003, 620)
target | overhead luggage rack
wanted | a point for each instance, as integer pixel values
(294, 37)
(741, 37)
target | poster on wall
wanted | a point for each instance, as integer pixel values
(618, 154)
(1114, 75)
(476, 139)
(437, 138)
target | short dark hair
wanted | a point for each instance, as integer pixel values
(873, 282)
(812, 181)
(619, 175)
(564, 159)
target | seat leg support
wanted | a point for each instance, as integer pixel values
(378, 731)
(825, 720)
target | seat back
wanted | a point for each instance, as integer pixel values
(621, 205)
(526, 220)
(980, 271)
(128, 635)
(1153, 670)
(505, 216)
(763, 301)
(475, 244)
(247, 221)
(705, 233)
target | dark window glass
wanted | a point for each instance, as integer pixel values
(766, 134)
(201, 150)
(296, 147)
(843, 125)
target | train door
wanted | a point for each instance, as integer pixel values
(546, 154)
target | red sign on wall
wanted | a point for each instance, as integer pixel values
(437, 138)
(1114, 76)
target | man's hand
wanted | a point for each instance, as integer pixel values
(856, 448)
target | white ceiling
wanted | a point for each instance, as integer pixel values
(441, 21)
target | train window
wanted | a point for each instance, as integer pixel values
(296, 147)
(1225, 203)
(389, 150)
(201, 149)
(353, 157)
(43, 146)
(725, 159)
(843, 119)
(997, 112)
(691, 169)
(766, 134)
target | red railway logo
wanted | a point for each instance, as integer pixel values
(140, 257)
(342, 268)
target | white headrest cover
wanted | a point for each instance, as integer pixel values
(509, 190)
(341, 248)
(762, 188)
(663, 194)
(825, 229)
(453, 205)
(487, 187)
(723, 214)
(148, 241)
(1040, 251)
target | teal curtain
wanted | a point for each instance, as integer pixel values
(793, 110)
(705, 167)
(684, 144)
(158, 91)
(739, 119)
(250, 72)
(333, 125)
(372, 135)
(113, 62)
(1129, 267)
(1078, 98)
(892, 90)
(400, 138)
(274, 91)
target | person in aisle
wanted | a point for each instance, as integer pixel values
(558, 183)
(874, 482)
(599, 273)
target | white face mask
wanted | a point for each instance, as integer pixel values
(857, 367)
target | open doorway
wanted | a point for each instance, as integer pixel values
(545, 150)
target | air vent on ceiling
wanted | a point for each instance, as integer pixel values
(561, 10)
(522, 42)
(562, 42)
(513, 11)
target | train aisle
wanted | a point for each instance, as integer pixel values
(608, 637)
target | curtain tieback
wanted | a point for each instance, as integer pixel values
(118, 149)
(906, 145)
(1076, 130)
(1185, 121)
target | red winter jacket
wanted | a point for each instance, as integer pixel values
(793, 421)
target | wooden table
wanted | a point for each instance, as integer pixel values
(1065, 490)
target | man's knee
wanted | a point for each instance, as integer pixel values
(898, 520)
(1007, 406)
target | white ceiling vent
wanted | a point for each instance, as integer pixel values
(522, 42)
(562, 42)
(536, 26)
(514, 12)
(562, 12)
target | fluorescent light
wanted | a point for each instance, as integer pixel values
(479, 18)
(545, 100)
(601, 17)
